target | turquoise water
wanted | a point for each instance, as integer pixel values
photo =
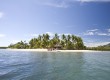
(16, 65)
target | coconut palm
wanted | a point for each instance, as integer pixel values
(44, 41)
(69, 43)
(79, 44)
(56, 39)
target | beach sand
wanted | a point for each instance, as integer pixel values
(45, 50)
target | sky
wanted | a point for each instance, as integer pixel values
(25, 19)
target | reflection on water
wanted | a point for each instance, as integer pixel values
(54, 66)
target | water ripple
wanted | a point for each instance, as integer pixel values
(52, 66)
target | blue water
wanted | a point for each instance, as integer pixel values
(19, 65)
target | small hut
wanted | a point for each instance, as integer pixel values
(58, 47)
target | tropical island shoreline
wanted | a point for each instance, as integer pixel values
(46, 50)
(61, 43)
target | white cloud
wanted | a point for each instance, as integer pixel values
(65, 3)
(93, 0)
(36, 35)
(50, 33)
(97, 33)
(58, 5)
(89, 33)
(93, 30)
(55, 3)
(95, 44)
(1, 14)
(108, 30)
(102, 34)
(67, 34)
(2, 35)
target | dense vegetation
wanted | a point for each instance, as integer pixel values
(102, 48)
(3, 47)
(70, 42)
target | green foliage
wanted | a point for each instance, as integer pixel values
(3, 47)
(19, 45)
(101, 48)
(70, 42)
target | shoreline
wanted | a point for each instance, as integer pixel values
(46, 50)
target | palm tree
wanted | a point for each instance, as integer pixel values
(56, 39)
(31, 43)
(73, 41)
(63, 41)
(79, 44)
(51, 43)
(44, 41)
(68, 37)
(69, 45)
(39, 37)
(56, 36)
(47, 37)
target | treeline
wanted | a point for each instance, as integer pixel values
(3, 47)
(101, 48)
(19, 45)
(70, 42)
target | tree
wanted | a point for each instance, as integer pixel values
(44, 41)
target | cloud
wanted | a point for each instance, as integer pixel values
(93, 0)
(58, 5)
(108, 30)
(1, 14)
(93, 30)
(67, 34)
(54, 3)
(2, 35)
(90, 32)
(65, 3)
(95, 44)
(50, 33)
(102, 34)
(36, 35)
(96, 32)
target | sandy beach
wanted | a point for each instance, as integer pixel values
(45, 50)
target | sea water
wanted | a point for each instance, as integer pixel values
(23, 65)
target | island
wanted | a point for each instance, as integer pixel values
(56, 42)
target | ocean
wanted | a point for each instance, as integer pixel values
(24, 65)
